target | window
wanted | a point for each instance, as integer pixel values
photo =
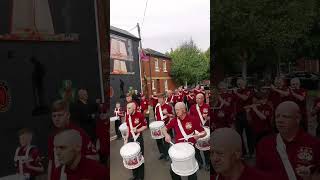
(153, 86)
(165, 66)
(166, 85)
(156, 64)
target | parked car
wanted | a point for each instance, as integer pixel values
(308, 80)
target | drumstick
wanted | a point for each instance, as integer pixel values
(171, 143)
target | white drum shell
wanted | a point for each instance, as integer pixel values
(183, 159)
(123, 129)
(132, 156)
(114, 118)
(155, 129)
(203, 144)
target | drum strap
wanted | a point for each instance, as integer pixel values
(63, 175)
(184, 134)
(203, 121)
(116, 110)
(161, 113)
(135, 137)
(22, 159)
(281, 148)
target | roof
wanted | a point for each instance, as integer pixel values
(123, 32)
(152, 52)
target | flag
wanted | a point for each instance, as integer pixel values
(143, 56)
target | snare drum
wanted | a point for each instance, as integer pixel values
(114, 118)
(155, 129)
(123, 129)
(183, 159)
(132, 156)
(203, 144)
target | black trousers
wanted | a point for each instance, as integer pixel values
(206, 157)
(117, 123)
(138, 173)
(163, 146)
(147, 119)
(243, 125)
(175, 176)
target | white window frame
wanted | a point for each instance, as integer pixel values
(165, 66)
(156, 65)
(153, 85)
(166, 85)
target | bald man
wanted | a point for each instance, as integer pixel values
(226, 152)
(201, 111)
(302, 150)
(74, 166)
(184, 127)
(136, 124)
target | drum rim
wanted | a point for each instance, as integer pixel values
(186, 158)
(186, 174)
(129, 156)
(158, 122)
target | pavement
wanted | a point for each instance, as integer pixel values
(154, 169)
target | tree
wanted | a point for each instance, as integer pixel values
(189, 64)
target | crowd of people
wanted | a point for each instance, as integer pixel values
(77, 146)
(183, 112)
(275, 120)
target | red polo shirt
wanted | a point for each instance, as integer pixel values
(240, 103)
(87, 169)
(154, 101)
(102, 132)
(163, 107)
(261, 125)
(189, 124)
(249, 173)
(276, 98)
(138, 121)
(204, 109)
(88, 147)
(303, 150)
(170, 99)
(144, 105)
(34, 155)
(191, 99)
(178, 98)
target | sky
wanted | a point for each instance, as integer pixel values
(167, 23)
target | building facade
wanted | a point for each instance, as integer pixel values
(155, 73)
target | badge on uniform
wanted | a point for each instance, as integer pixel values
(136, 120)
(188, 125)
(305, 154)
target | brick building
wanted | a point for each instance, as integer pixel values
(159, 65)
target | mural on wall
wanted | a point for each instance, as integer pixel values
(67, 92)
(5, 97)
(121, 55)
(32, 20)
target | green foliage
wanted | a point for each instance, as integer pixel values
(189, 64)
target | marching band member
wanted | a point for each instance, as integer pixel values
(260, 116)
(191, 99)
(102, 133)
(184, 127)
(144, 107)
(60, 117)
(292, 154)
(136, 124)
(118, 112)
(154, 100)
(298, 95)
(27, 157)
(170, 98)
(129, 100)
(226, 153)
(201, 112)
(163, 113)
(243, 97)
(178, 96)
(74, 166)
(279, 92)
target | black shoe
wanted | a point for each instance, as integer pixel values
(162, 156)
(167, 158)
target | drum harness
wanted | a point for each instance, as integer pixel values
(203, 121)
(23, 159)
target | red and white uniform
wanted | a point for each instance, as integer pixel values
(302, 104)
(203, 109)
(161, 108)
(303, 150)
(191, 99)
(27, 154)
(154, 100)
(170, 99)
(276, 98)
(137, 106)
(178, 97)
(87, 169)
(223, 115)
(249, 173)
(189, 124)
(137, 120)
(261, 125)
(88, 147)
(144, 105)
(240, 103)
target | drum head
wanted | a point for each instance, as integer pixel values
(181, 151)
(156, 124)
(123, 126)
(130, 149)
